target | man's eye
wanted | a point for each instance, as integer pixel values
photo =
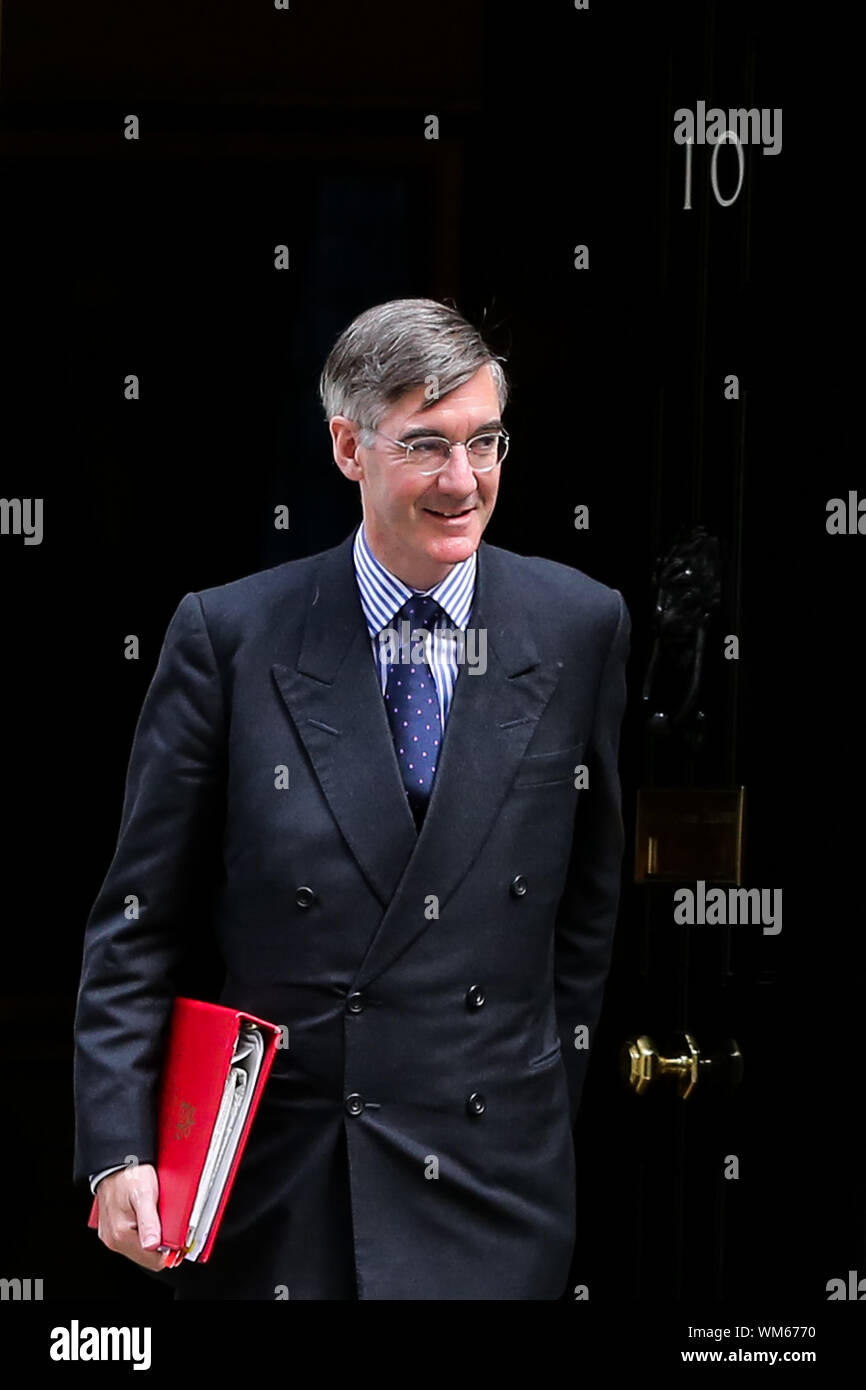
(484, 443)
(427, 447)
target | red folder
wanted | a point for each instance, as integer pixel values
(203, 1039)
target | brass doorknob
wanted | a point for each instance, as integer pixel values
(642, 1063)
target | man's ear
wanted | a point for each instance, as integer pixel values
(344, 440)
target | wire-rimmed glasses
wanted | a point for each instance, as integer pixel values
(430, 454)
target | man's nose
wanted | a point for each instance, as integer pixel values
(457, 475)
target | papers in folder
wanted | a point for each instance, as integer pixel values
(234, 1107)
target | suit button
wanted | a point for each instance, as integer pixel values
(476, 1104)
(355, 1003)
(518, 886)
(354, 1103)
(304, 897)
(474, 997)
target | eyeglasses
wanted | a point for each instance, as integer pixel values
(431, 454)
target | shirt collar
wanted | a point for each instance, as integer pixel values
(383, 594)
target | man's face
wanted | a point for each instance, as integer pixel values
(419, 526)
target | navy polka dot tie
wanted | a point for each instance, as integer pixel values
(413, 704)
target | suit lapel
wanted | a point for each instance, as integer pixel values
(335, 700)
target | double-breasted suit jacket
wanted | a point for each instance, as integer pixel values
(415, 1136)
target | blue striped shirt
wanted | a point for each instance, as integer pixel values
(382, 597)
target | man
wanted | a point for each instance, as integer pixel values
(413, 846)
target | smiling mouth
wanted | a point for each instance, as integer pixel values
(465, 512)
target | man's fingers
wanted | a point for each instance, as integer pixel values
(143, 1203)
(129, 1218)
(123, 1238)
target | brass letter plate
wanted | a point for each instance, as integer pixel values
(687, 833)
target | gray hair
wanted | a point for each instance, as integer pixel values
(396, 347)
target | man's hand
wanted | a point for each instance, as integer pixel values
(128, 1218)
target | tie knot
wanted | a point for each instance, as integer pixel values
(421, 610)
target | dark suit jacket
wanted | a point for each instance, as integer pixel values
(439, 977)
